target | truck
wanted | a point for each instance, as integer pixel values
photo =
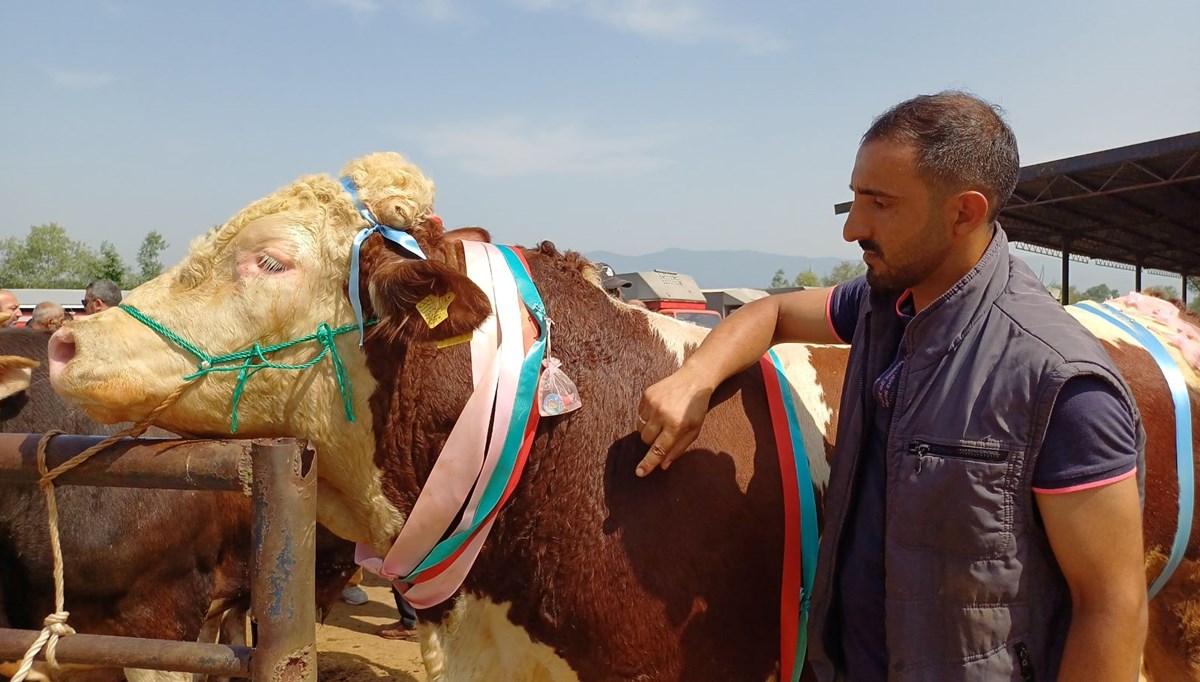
(670, 293)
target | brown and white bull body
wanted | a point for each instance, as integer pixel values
(589, 573)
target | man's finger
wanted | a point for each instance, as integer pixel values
(658, 452)
(650, 431)
(682, 443)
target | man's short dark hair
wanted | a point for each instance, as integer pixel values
(106, 290)
(962, 143)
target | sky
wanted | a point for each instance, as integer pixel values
(625, 125)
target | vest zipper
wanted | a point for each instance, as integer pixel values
(922, 448)
(1024, 661)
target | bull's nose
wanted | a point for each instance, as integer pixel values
(61, 351)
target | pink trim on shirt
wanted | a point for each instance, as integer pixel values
(1086, 486)
(900, 301)
(829, 316)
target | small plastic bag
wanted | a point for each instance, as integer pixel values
(556, 392)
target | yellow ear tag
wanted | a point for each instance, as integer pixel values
(455, 340)
(435, 309)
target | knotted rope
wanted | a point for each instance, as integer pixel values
(254, 359)
(55, 625)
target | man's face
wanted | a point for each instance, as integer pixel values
(896, 217)
(9, 304)
(91, 304)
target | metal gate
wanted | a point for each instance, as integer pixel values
(281, 477)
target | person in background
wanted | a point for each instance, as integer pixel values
(406, 627)
(10, 306)
(101, 294)
(47, 316)
(610, 282)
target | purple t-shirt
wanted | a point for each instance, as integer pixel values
(1090, 441)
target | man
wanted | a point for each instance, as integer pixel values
(101, 294)
(610, 282)
(10, 306)
(982, 518)
(47, 316)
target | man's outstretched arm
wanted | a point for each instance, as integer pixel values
(672, 411)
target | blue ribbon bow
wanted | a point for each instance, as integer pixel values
(399, 237)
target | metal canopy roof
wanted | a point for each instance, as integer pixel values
(1138, 205)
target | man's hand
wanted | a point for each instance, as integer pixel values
(670, 416)
(671, 411)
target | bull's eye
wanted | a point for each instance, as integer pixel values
(269, 264)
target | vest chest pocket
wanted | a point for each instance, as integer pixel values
(953, 496)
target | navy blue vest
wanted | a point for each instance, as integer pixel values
(973, 591)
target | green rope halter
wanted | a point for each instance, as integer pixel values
(253, 359)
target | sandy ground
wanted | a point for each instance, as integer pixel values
(348, 650)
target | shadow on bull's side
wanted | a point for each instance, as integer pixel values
(709, 551)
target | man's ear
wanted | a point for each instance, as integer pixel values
(15, 374)
(970, 211)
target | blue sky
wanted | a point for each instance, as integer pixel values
(626, 125)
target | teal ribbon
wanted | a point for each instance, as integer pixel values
(526, 393)
(809, 533)
(253, 360)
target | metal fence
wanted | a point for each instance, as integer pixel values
(281, 477)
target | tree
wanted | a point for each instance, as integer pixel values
(808, 278)
(47, 259)
(112, 266)
(149, 265)
(844, 272)
(779, 280)
(1099, 293)
(1167, 291)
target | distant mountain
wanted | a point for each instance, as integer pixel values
(719, 269)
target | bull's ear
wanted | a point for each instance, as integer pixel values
(15, 374)
(423, 301)
(469, 234)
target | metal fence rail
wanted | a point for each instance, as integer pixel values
(281, 476)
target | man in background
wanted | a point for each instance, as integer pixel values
(47, 316)
(100, 295)
(9, 305)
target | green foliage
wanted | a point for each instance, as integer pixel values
(149, 265)
(779, 280)
(49, 259)
(808, 278)
(1167, 291)
(112, 266)
(844, 272)
(1099, 293)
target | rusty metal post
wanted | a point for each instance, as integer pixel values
(131, 463)
(132, 652)
(284, 555)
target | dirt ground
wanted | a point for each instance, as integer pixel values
(348, 650)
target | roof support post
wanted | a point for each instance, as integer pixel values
(1183, 295)
(1065, 296)
(1137, 276)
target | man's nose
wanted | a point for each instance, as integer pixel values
(854, 228)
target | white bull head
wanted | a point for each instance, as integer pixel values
(276, 272)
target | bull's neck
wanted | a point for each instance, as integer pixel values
(350, 499)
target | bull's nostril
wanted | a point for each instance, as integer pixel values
(61, 350)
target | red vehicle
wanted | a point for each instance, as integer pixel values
(671, 293)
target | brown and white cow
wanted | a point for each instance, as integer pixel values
(589, 573)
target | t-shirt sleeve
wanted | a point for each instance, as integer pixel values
(842, 307)
(1091, 440)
